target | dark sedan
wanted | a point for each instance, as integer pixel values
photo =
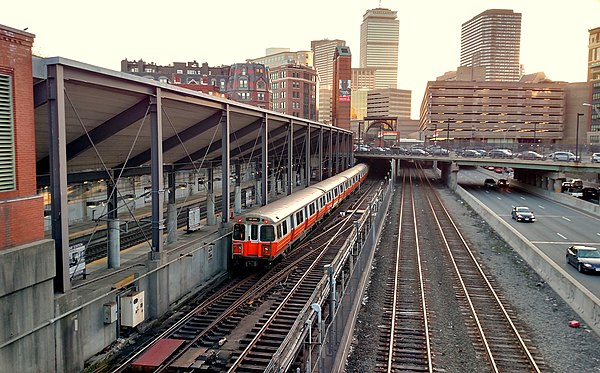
(584, 258)
(522, 213)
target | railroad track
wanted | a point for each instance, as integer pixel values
(241, 326)
(404, 343)
(493, 326)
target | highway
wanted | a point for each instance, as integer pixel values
(557, 226)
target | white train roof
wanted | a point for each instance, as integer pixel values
(281, 208)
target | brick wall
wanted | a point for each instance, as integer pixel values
(21, 210)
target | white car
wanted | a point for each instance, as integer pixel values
(562, 156)
(595, 157)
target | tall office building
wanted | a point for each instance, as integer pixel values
(593, 77)
(379, 33)
(492, 39)
(342, 87)
(323, 52)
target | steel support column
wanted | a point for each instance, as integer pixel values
(265, 160)
(210, 197)
(290, 160)
(225, 163)
(58, 176)
(156, 173)
(308, 171)
(237, 204)
(330, 151)
(320, 174)
(337, 153)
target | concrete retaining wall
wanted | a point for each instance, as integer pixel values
(26, 299)
(586, 304)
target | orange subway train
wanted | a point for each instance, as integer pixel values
(262, 235)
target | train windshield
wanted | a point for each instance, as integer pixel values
(267, 233)
(239, 232)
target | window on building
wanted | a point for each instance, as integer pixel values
(282, 94)
(179, 71)
(260, 85)
(261, 96)
(243, 83)
(163, 79)
(7, 156)
(222, 84)
(134, 70)
(213, 82)
(148, 70)
(244, 95)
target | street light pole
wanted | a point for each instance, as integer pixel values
(577, 139)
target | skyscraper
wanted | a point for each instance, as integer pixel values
(492, 39)
(379, 34)
(323, 52)
(594, 79)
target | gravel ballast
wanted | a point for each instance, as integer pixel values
(543, 315)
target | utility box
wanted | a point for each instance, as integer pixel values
(110, 312)
(132, 309)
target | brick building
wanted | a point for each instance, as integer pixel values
(294, 90)
(241, 82)
(21, 209)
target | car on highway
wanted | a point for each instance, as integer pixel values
(489, 183)
(584, 258)
(470, 153)
(562, 156)
(502, 183)
(522, 213)
(589, 194)
(419, 152)
(531, 155)
(575, 192)
(500, 153)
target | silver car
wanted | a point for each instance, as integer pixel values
(562, 156)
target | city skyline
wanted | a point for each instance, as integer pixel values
(554, 34)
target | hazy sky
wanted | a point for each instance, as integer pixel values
(554, 33)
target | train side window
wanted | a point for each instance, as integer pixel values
(299, 218)
(267, 233)
(279, 231)
(254, 232)
(239, 232)
(284, 227)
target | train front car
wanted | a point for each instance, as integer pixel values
(262, 235)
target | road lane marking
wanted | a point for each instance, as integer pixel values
(540, 206)
(560, 235)
(567, 219)
(500, 198)
(523, 198)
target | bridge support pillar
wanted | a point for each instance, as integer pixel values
(545, 183)
(284, 184)
(171, 209)
(449, 174)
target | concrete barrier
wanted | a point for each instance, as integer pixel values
(586, 304)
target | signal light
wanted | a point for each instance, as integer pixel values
(266, 221)
(239, 220)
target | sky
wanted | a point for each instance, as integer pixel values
(554, 33)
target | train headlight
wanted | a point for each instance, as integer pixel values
(238, 248)
(266, 250)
